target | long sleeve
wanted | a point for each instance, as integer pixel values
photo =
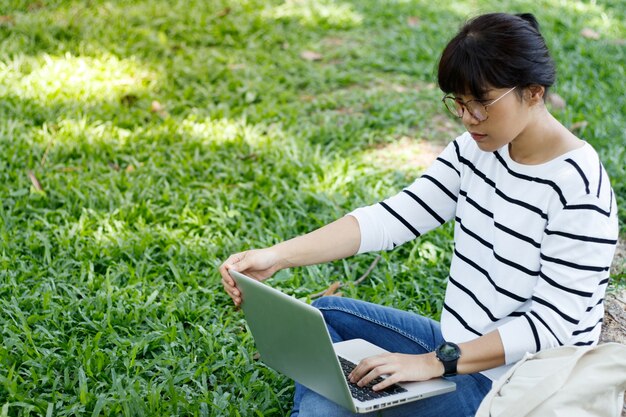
(427, 203)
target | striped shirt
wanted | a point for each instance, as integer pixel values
(533, 243)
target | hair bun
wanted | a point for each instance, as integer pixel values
(530, 18)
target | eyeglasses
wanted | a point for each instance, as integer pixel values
(476, 108)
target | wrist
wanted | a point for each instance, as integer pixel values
(435, 365)
(280, 257)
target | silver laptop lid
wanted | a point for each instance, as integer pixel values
(292, 338)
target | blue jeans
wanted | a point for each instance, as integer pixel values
(395, 331)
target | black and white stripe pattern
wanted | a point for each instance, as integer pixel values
(533, 244)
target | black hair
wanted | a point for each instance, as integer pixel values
(496, 50)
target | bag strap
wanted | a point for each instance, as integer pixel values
(544, 389)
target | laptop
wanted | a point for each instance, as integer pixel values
(292, 338)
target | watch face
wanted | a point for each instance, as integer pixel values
(448, 351)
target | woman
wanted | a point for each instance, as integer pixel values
(535, 232)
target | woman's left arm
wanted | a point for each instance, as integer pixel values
(477, 355)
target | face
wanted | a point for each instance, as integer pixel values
(508, 117)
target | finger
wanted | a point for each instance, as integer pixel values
(232, 292)
(230, 289)
(387, 382)
(241, 263)
(224, 273)
(374, 373)
(391, 372)
(231, 263)
(365, 366)
(358, 372)
(227, 280)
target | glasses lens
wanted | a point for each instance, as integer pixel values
(477, 110)
(453, 106)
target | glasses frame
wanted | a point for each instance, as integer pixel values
(460, 111)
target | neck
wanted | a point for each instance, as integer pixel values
(544, 139)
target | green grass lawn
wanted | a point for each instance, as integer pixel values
(144, 141)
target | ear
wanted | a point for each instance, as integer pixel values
(535, 93)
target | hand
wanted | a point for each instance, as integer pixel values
(259, 263)
(398, 366)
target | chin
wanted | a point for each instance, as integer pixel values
(488, 147)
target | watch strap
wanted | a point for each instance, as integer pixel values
(449, 361)
(449, 367)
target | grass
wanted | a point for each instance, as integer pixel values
(145, 141)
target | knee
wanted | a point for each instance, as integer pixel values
(330, 301)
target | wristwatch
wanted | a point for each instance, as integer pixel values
(448, 354)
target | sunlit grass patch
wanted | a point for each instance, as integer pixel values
(407, 154)
(218, 131)
(593, 15)
(335, 14)
(51, 80)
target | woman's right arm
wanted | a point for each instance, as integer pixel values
(337, 240)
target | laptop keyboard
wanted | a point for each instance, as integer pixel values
(366, 392)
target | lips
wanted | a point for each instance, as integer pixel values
(477, 136)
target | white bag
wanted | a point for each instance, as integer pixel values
(566, 381)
